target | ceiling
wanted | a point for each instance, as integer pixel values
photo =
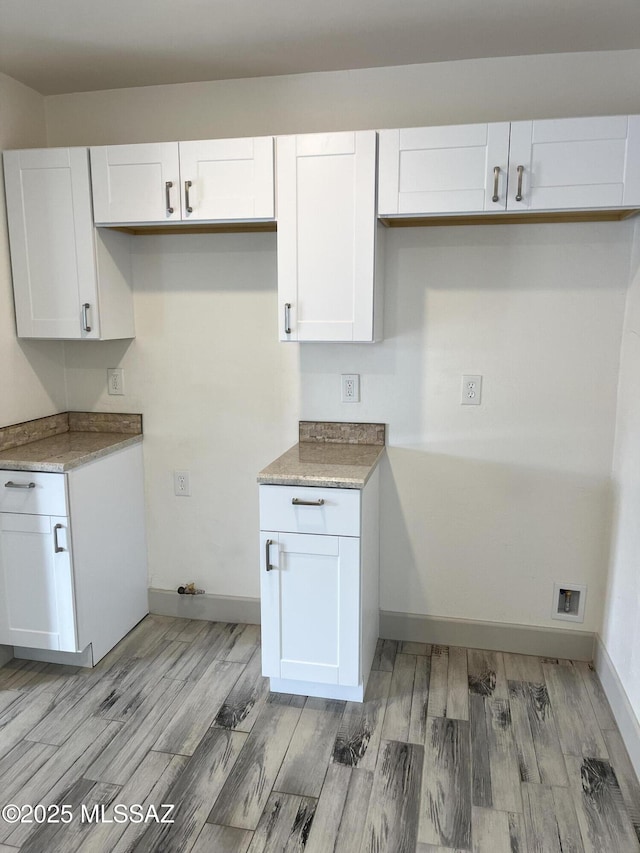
(58, 46)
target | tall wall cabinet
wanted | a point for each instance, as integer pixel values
(326, 189)
(70, 280)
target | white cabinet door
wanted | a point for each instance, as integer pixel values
(565, 164)
(52, 243)
(456, 169)
(227, 179)
(36, 583)
(136, 183)
(326, 236)
(310, 603)
(210, 180)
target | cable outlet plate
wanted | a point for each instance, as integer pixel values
(350, 388)
(115, 380)
(181, 485)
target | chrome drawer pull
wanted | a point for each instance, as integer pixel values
(12, 485)
(56, 546)
(298, 502)
(287, 318)
(267, 563)
(167, 197)
(187, 203)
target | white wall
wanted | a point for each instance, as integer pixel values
(32, 377)
(483, 508)
(621, 630)
(508, 88)
(219, 396)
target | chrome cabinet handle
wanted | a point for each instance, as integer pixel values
(496, 178)
(85, 317)
(187, 204)
(298, 502)
(56, 544)
(287, 318)
(520, 171)
(11, 485)
(167, 187)
(267, 563)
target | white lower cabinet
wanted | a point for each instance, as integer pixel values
(73, 570)
(37, 581)
(319, 588)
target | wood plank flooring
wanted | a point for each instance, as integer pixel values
(452, 750)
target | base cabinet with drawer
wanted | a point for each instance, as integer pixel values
(319, 570)
(73, 573)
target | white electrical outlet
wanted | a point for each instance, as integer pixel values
(471, 394)
(181, 486)
(350, 388)
(115, 380)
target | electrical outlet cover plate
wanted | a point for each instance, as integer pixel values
(181, 485)
(115, 380)
(471, 391)
(350, 388)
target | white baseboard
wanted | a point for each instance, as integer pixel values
(497, 636)
(215, 608)
(6, 654)
(620, 705)
(521, 639)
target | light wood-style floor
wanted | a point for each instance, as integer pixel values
(453, 750)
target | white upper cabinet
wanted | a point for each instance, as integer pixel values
(425, 170)
(68, 280)
(326, 185)
(230, 179)
(559, 164)
(574, 163)
(136, 183)
(206, 181)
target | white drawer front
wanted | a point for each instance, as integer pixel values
(306, 509)
(47, 495)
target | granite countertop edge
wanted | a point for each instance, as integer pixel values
(52, 466)
(285, 471)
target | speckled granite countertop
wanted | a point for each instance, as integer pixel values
(331, 456)
(62, 442)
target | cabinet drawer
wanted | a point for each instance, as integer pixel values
(47, 495)
(335, 512)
